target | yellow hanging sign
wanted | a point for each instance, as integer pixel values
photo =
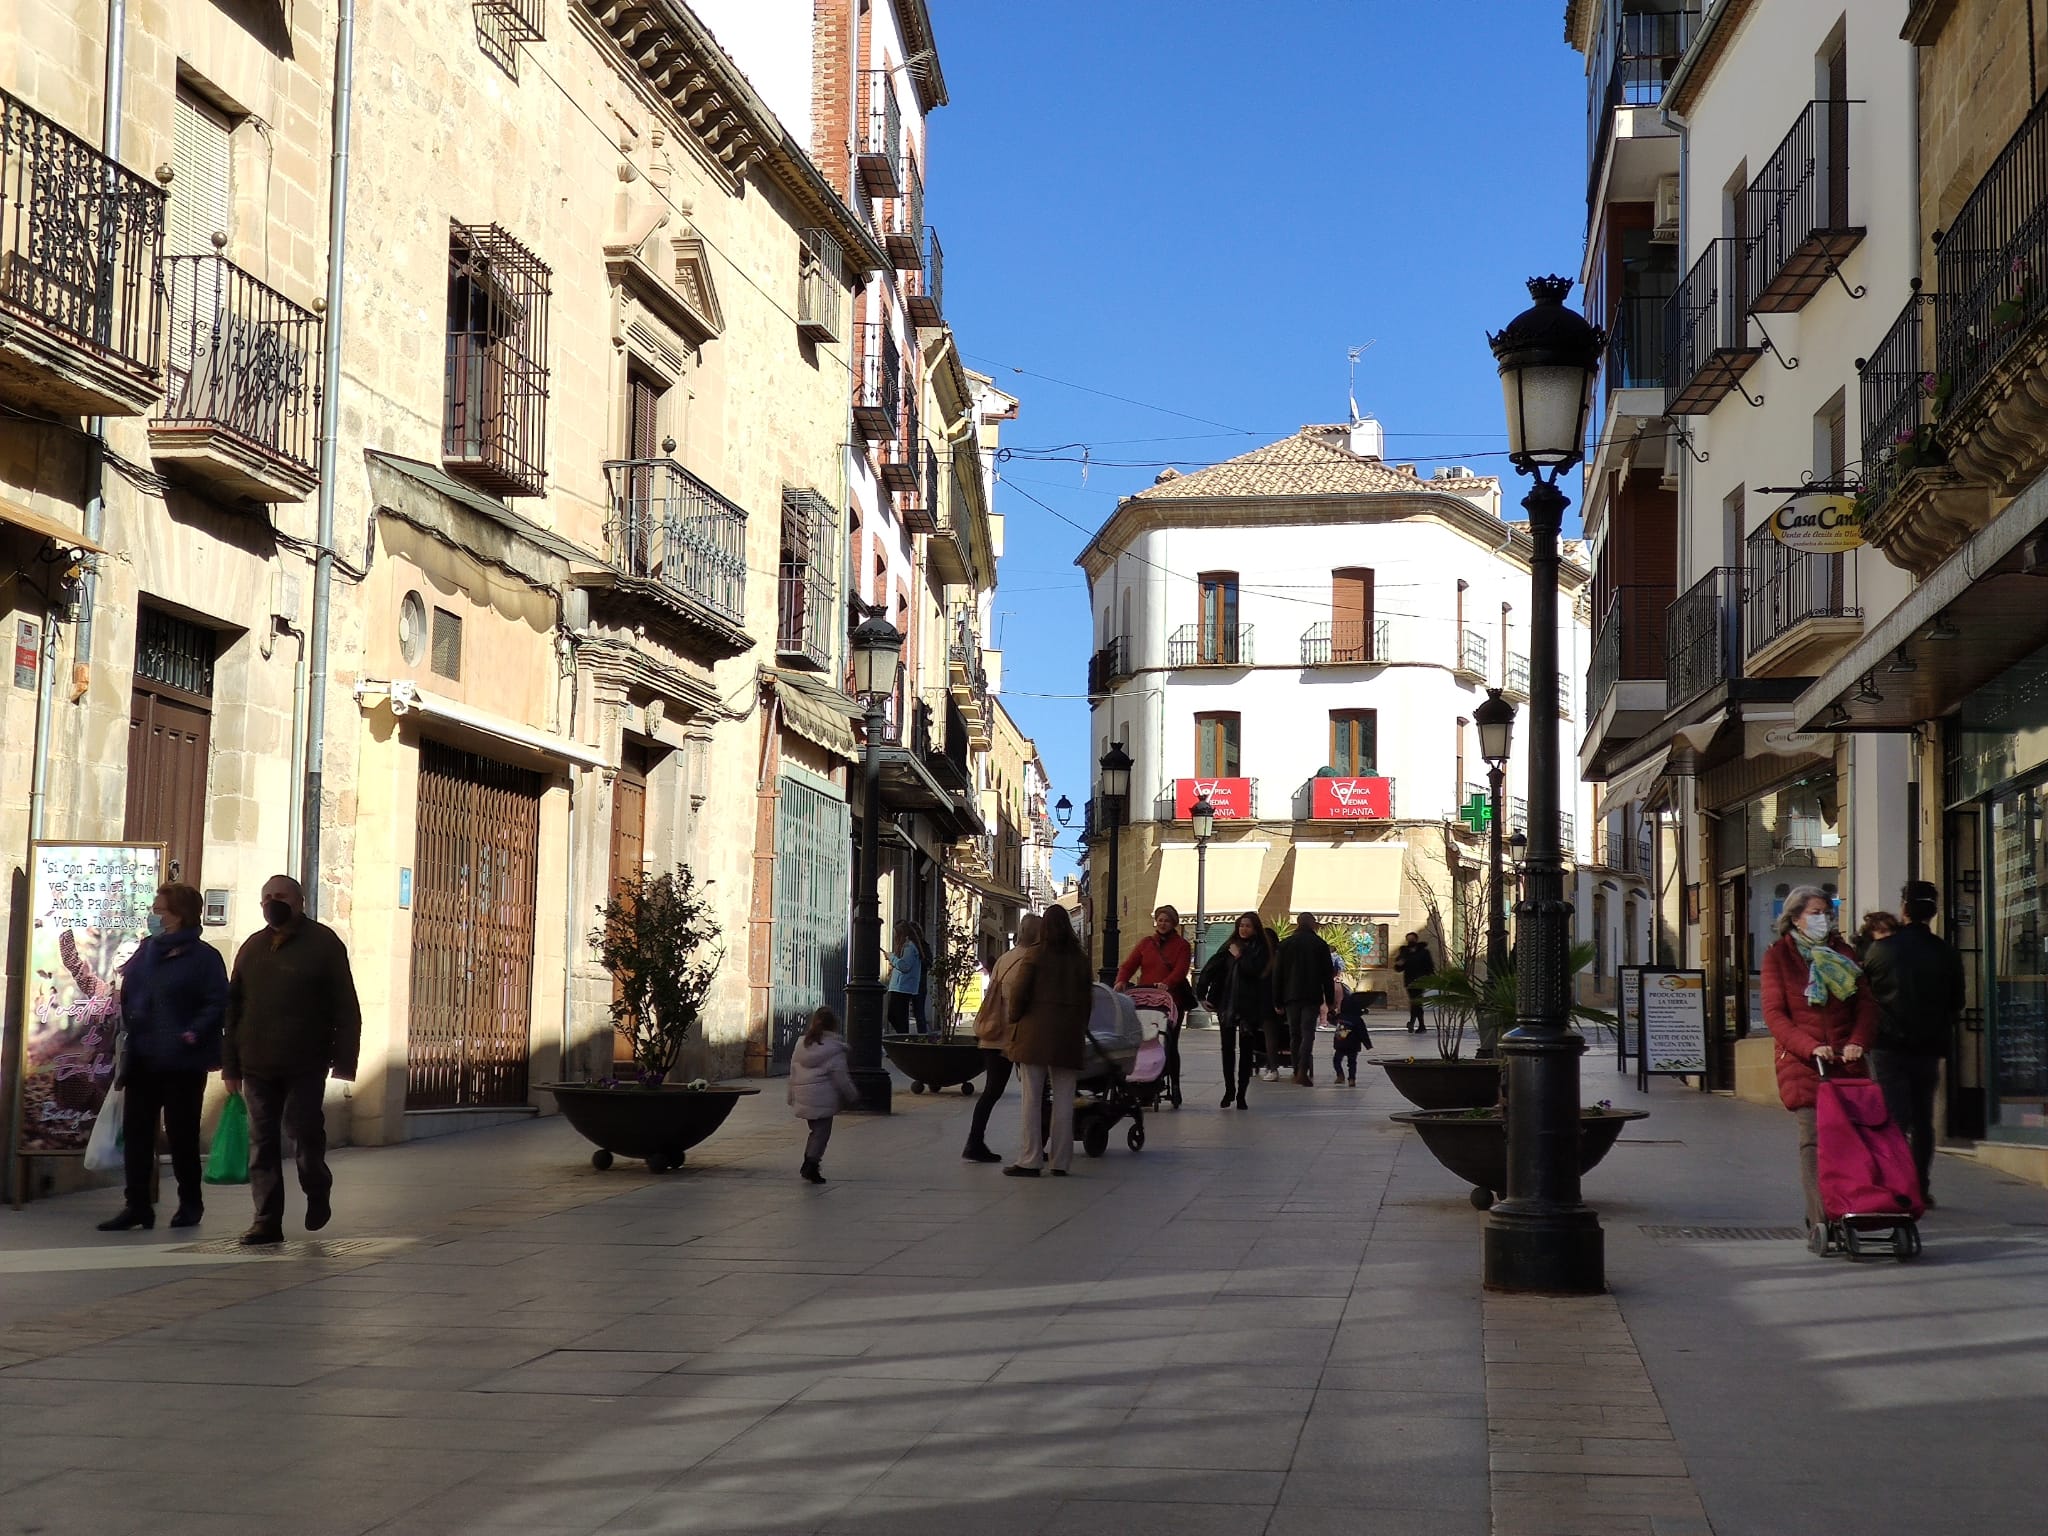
(1819, 524)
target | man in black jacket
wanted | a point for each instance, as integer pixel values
(1917, 979)
(1414, 962)
(1307, 984)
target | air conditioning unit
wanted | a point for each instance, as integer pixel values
(1666, 216)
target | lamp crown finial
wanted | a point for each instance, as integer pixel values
(1550, 290)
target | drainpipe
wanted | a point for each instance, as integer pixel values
(330, 432)
(281, 625)
(96, 463)
(569, 905)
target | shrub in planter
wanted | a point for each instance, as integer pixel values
(660, 943)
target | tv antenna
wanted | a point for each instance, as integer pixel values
(1351, 387)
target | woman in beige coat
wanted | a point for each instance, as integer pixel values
(992, 1029)
(1046, 998)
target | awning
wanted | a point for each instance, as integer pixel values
(37, 522)
(403, 698)
(1698, 736)
(1232, 885)
(1635, 783)
(990, 890)
(1355, 879)
(821, 715)
(1976, 614)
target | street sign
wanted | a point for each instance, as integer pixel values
(1818, 524)
(1351, 799)
(1629, 980)
(1477, 813)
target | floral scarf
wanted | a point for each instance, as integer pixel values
(1829, 972)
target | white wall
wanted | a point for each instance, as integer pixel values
(771, 41)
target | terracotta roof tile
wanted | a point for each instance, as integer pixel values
(1307, 464)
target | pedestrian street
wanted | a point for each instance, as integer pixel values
(1267, 1323)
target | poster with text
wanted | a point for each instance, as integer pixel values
(88, 910)
(1673, 1022)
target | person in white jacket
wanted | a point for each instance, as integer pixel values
(820, 1085)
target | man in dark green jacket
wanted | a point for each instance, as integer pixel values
(292, 1022)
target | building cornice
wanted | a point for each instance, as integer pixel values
(1578, 23)
(1925, 21)
(1709, 45)
(915, 18)
(1135, 515)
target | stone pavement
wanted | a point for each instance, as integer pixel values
(1266, 1322)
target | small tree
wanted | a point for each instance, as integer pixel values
(1490, 999)
(955, 961)
(659, 941)
(1460, 937)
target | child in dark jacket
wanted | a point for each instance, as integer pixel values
(1352, 1036)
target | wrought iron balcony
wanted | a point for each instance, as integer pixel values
(881, 138)
(81, 250)
(1798, 211)
(1202, 645)
(902, 458)
(494, 408)
(928, 283)
(1110, 665)
(1346, 642)
(876, 409)
(903, 221)
(1635, 343)
(1786, 590)
(950, 552)
(242, 406)
(1703, 636)
(821, 288)
(1471, 652)
(1628, 646)
(669, 527)
(1514, 678)
(1707, 348)
(1992, 316)
(1641, 49)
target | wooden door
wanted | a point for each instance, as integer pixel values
(1351, 615)
(643, 415)
(1838, 137)
(629, 847)
(168, 745)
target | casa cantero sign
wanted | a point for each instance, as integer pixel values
(1818, 523)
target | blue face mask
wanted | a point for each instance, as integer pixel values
(156, 925)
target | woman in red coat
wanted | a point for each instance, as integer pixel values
(1818, 1009)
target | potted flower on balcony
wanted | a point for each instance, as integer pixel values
(659, 941)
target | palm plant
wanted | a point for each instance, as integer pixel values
(1464, 995)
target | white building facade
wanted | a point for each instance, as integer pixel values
(1302, 635)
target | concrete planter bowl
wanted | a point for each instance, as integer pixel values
(1473, 1144)
(935, 1064)
(1429, 1082)
(657, 1125)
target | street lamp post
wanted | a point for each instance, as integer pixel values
(1114, 784)
(1495, 718)
(877, 649)
(1204, 818)
(1543, 1237)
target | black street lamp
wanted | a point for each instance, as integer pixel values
(1064, 809)
(1113, 785)
(877, 647)
(1543, 1236)
(1495, 718)
(1203, 816)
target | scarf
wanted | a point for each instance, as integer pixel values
(1829, 972)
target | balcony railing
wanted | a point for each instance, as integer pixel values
(669, 526)
(1514, 677)
(910, 729)
(903, 222)
(243, 360)
(1798, 210)
(1167, 806)
(1898, 391)
(1472, 651)
(1629, 644)
(881, 139)
(1110, 665)
(963, 653)
(821, 287)
(1703, 636)
(1642, 51)
(876, 412)
(1635, 342)
(1202, 645)
(1706, 330)
(81, 242)
(1993, 265)
(926, 296)
(803, 616)
(1346, 642)
(1785, 588)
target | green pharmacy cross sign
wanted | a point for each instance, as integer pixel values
(1477, 813)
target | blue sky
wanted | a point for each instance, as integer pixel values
(1200, 206)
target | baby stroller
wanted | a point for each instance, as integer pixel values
(1122, 1076)
(1159, 1017)
(1869, 1186)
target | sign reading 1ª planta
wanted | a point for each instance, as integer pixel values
(1819, 523)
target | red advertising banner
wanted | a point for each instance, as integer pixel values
(1351, 799)
(1232, 798)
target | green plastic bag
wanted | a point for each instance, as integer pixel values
(228, 1162)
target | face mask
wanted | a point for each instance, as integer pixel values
(156, 925)
(1815, 924)
(277, 913)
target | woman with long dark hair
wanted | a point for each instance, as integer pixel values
(1047, 999)
(1237, 985)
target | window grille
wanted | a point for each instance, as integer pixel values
(807, 599)
(494, 426)
(174, 652)
(447, 656)
(502, 25)
(821, 286)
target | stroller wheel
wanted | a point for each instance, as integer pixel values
(1482, 1199)
(1852, 1240)
(917, 1087)
(1095, 1141)
(967, 1089)
(1135, 1137)
(1905, 1243)
(1817, 1240)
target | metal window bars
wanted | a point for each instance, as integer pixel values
(806, 606)
(1703, 636)
(1992, 263)
(881, 140)
(1203, 645)
(1784, 588)
(1640, 50)
(820, 287)
(928, 283)
(1514, 677)
(81, 241)
(670, 527)
(1346, 642)
(1797, 211)
(494, 425)
(243, 359)
(1110, 665)
(876, 411)
(1707, 348)
(1899, 392)
(1472, 650)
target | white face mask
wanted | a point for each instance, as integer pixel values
(1815, 924)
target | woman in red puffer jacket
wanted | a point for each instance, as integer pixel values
(1818, 1008)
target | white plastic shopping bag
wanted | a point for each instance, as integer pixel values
(104, 1149)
